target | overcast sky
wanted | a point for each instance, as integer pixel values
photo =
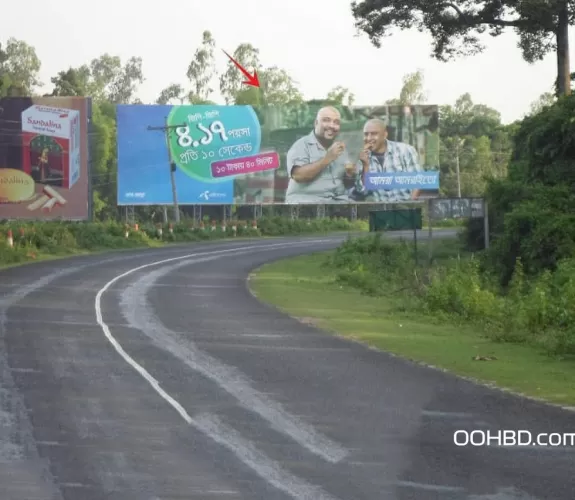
(313, 40)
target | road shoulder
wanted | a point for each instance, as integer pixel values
(304, 289)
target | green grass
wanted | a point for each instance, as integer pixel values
(301, 288)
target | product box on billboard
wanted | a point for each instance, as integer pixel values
(51, 145)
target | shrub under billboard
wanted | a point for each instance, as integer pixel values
(44, 158)
(298, 154)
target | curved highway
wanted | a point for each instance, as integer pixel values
(155, 375)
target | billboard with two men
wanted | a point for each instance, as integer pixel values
(298, 154)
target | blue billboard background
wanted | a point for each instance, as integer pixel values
(209, 135)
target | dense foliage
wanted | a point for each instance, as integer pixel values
(538, 312)
(532, 211)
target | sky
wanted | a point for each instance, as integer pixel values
(315, 41)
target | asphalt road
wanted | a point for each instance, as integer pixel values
(155, 375)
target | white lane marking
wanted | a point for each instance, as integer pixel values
(429, 487)
(265, 467)
(120, 350)
(446, 414)
(268, 470)
(504, 494)
(136, 310)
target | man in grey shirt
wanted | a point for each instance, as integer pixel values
(319, 167)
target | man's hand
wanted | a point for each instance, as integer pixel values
(334, 151)
(350, 169)
(364, 158)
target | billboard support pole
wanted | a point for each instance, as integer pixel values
(197, 214)
(258, 211)
(430, 229)
(294, 209)
(414, 223)
(354, 213)
(167, 129)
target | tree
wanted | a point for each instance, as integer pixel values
(455, 26)
(341, 95)
(412, 91)
(231, 81)
(201, 70)
(19, 68)
(5, 81)
(276, 86)
(467, 118)
(103, 156)
(173, 92)
(72, 82)
(105, 79)
(113, 81)
(544, 100)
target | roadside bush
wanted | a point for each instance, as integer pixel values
(459, 289)
(371, 264)
(278, 226)
(538, 310)
(34, 239)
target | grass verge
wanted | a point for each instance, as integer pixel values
(304, 288)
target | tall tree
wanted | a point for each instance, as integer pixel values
(467, 118)
(113, 81)
(544, 100)
(19, 65)
(173, 92)
(231, 81)
(202, 70)
(277, 87)
(105, 79)
(4, 77)
(341, 95)
(412, 90)
(456, 26)
(72, 82)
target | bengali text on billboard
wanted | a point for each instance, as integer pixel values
(297, 154)
(44, 158)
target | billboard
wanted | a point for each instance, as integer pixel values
(44, 158)
(457, 208)
(296, 154)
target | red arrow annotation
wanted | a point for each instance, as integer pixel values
(251, 79)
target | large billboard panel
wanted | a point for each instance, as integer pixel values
(299, 154)
(44, 153)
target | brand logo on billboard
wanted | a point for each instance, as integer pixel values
(37, 122)
(209, 195)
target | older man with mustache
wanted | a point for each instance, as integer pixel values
(319, 167)
(382, 155)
